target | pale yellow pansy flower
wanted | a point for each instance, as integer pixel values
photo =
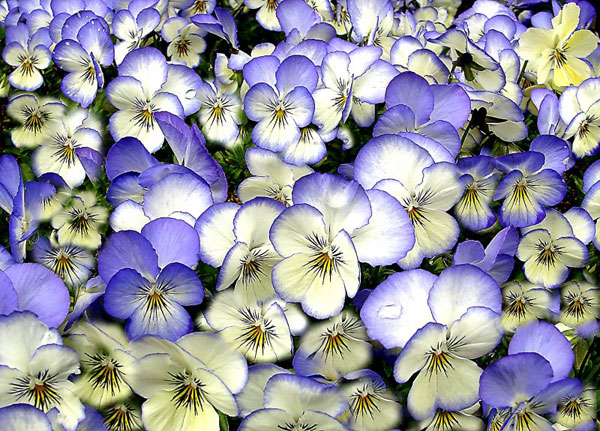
(555, 54)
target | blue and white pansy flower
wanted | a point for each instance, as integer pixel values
(28, 54)
(258, 329)
(185, 41)
(371, 405)
(37, 372)
(321, 242)
(293, 402)
(520, 389)
(150, 279)
(527, 188)
(106, 364)
(37, 117)
(132, 25)
(221, 112)
(137, 95)
(72, 142)
(237, 239)
(271, 177)
(425, 189)
(465, 326)
(187, 383)
(550, 248)
(474, 210)
(279, 99)
(82, 54)
(334, 348)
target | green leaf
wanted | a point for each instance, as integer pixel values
(223, 422)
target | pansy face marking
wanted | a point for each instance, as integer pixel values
(144, 117)
(105, 373)
(253, 265)
(438, 360)
(326, 258)
(576, 305)
(188, 392)
(445, 420)
(548, 253)
(38, 390)
(81, 221)
(334, 341)
(364, 400)
(35, 118)
(518, 304)
(121, 418)
(258, 332)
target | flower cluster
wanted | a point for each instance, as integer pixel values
(299, 215)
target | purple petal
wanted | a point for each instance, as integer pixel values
(296, 71)
(184, 285)
(128, 155)
(261, 69)
(127, 249)
(411, 90)
(514, 378)
(397, 308)
(123, 293)
(343, 203)
(40, 291)
(174, 241)
(8, 295)
(451, 104)
(546, 340)
(460, 287)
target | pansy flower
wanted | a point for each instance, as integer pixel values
(425, 189)
(39, 374)
(434, 111)
(70, 145)
(106, 364)
(80, 222)
(271, 177)
(463, 326)
(237, 239)
(132, 25)
(186, 383)
(334, 348)
(580, 111)
(524, 302)
(37, 118)
(28, 54)
(549, 249)
(297, 402)
(72, 263)
(580, 303)
(353, 82)
(371, 405)
(185, 41)
(317, 237)
(474, 210)
(85, 47)
(220, 114)
(137, 95)
(556, 54)
(527, 188)
(149, 278)
(257, 329)
(279, 99)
